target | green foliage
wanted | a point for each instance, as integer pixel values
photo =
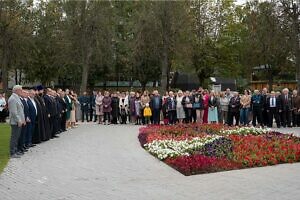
(82, 42)
(4, 145)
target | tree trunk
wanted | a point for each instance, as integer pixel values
(85, 72)
(164, 70)
(4, 69)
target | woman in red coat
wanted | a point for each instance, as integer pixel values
(205, 102)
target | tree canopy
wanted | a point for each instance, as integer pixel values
(79, 43)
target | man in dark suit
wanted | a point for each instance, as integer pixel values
(32, 115)
(257, 104)
(286, 101)
(24, 131)
(234, 109)
(273, 105)
(156, 106)
(296, 109)
(265, 116)
(63, 104)
(85, 105)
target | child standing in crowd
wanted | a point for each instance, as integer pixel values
(147, 113)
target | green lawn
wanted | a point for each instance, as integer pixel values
(4, 145)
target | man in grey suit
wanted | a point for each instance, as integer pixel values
(17, 119)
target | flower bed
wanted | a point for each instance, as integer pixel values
(196, 149)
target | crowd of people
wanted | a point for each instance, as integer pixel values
(259, 108)
(39, 114)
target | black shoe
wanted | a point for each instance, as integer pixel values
(15, 156)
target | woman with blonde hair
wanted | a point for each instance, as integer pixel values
(99, 107)
(213, 109)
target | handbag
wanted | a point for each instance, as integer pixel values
(196, 105)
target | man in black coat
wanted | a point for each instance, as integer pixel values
(234, 109)
(39, 127)
(40, 97)
(62, 110)
(286, 102)
(273, 105)
(51, 111)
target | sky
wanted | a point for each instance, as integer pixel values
(239, 2)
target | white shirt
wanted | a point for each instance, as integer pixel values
(273, 102)
(2, 104)
(34, 104)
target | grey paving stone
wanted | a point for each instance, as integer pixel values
(95, 162)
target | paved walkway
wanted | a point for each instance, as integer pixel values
(95, 163)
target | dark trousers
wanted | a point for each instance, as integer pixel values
(273, 113)
(63, 122)
(30, 130)
(256, 115)
(156, 116)
(3, 115)
(233, 114)
(296, 119)
(107, 117)
(84, 113)
(188, 115)
(14, 138)
(286, 117)
(172, 116)
(93, 115)
(55, 125)
(265, 117)
(21, 142)
(194, 115)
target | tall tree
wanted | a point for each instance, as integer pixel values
(14, 32)
(266, 44)
(291, 25)
(89, 34)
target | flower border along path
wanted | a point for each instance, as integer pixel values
(197, 149)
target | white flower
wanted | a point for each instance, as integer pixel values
(171, 148)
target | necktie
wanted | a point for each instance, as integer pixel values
(273, 102)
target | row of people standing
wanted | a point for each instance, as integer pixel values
(201, 106)
(38, 115)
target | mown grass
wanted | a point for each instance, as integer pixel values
(4, 145)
